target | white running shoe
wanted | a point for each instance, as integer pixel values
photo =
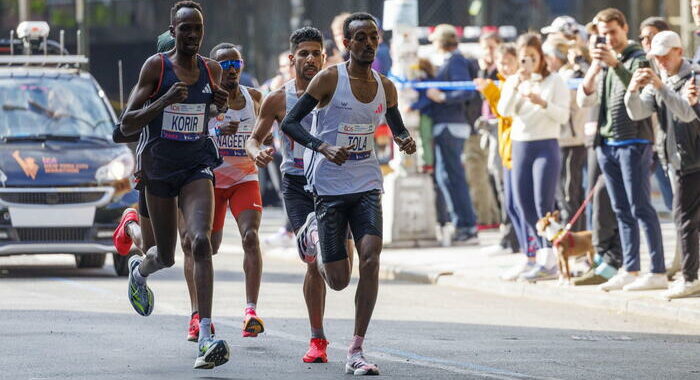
(357, 365)
(513, 273)
(649, 281)
(682, 288)
(307, 239)
(618, 281)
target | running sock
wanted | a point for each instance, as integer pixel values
(204, 329)
(138, 277)
(250, 305)
(355, 345)
(597, 259)
(605, 270)
(318, 333)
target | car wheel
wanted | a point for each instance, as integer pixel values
(96, 260)
(121, 263)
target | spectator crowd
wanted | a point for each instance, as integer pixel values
(572, 111)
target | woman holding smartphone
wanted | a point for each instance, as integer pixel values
(538, 101)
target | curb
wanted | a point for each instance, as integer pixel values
(625, 304)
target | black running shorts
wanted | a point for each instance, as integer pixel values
(298, 203)
(171, 188)
(362, 211)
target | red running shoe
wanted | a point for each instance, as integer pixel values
(122, 241)
(316, 352)
(193, 333)
(252, 324)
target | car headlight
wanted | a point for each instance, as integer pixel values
(119, 168)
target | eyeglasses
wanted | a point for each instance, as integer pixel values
(235, 63)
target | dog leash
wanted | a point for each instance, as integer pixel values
(573, 220)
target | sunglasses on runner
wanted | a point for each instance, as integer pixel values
(235, 63)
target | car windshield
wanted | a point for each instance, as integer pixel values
(63, 106)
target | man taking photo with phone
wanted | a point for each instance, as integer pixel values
(624, 151)
(649, 93)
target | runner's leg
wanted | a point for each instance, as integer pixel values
(334, 265)
(163, 213)
(197, 199)
(248, 225)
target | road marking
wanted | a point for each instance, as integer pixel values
(382, 353)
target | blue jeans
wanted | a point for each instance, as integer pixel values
(536, 168)
(526, 242)
(628, 179)
(452, 180)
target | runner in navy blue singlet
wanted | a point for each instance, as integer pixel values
(172, 99)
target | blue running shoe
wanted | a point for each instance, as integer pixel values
(140, 295)
(212, 353)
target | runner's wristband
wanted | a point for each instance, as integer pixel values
(393, 118)
(291, 125)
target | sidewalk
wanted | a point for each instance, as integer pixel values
(470, 268)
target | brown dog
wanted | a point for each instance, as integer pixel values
(566, 243)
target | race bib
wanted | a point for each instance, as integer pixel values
(360, 136)
(183, 122)
(232, 145)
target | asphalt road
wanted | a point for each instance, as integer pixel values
(62, 322)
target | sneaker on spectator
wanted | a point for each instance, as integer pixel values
(618, 281)
(496, 250)
(649, 281)
(539, 273)
(589, 278)
(682, 288)
(513, 273)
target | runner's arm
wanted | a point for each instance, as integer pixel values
(393, 116)
(136, 116)
(291, 125)
(271, 110)
(319, 91)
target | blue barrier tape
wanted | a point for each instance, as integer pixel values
(456, 85)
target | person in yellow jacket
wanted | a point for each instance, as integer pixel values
(507, 64)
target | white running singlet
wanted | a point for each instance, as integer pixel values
(292, 152)
(347, 121)
(237, 167)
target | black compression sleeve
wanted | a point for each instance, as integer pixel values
(291, 125)
(393, 118)
(119, 137)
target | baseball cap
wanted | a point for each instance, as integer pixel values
(563, 24)
(165, 42)
(443, 32)
(664, 41)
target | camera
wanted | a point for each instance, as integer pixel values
(644, 64)
(601, 40)
(579, 60)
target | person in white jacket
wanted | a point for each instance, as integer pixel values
(538, 101)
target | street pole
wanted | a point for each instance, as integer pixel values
(23, 10)
(687, 27)
(84, 41)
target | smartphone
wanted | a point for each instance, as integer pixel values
(644, 64)
(601, 40)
